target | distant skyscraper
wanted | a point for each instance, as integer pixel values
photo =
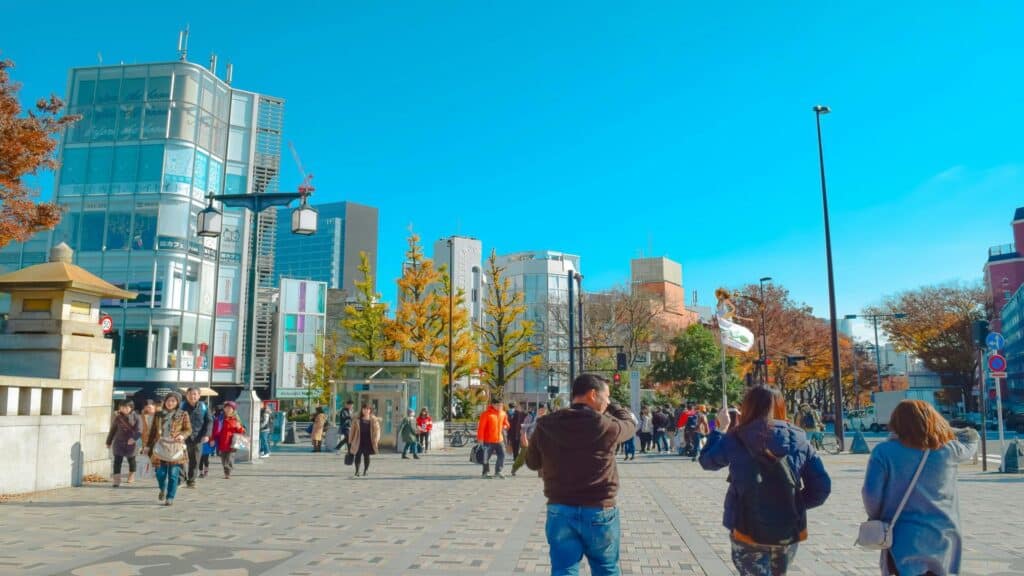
(543, 278)
(344, 229)
(466, 270)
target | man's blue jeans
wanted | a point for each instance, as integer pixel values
(574, 532)
(497, 448)
(264, 442)
(660, 441)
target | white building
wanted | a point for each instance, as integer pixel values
(543, 277)
(466, 271)
(301, 319)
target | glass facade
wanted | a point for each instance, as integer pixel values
(1012, 317)
(154, 140)
(301, 321)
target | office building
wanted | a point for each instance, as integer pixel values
(1004, 271)
(153, 141)
(1013, 331)
(661, 279)
(466, 272)
(344, 229)
(543, 277)
(301, 320)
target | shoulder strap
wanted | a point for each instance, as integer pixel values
(910, 488)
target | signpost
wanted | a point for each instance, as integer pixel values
(997, 369)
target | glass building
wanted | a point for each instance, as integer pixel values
(1012, 317)
(153, 141)
(344, 229)
(300, 334)
(543, 277)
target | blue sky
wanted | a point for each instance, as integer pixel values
(608, 129)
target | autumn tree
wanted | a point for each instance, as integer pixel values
(937, 329)
(465, 352)
(506, 336)
(26, 147)
(416, 328)
(694, 370)
(328, 365)
(366, 318)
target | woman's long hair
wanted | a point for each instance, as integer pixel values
(760, 403)
(916, 424)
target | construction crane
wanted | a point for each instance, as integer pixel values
(306, 188)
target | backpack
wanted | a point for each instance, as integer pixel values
(769, 508)
(808, 420)
(691, 421)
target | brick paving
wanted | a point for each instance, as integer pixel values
(301, 513)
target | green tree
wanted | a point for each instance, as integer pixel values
(695, 368)
(365, 320)
(328, 365)
(26, 147)
(506, 338)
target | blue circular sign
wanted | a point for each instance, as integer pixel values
(995, 341)
(996, 363)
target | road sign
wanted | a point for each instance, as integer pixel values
(995, 341)
(997, 363)
(998, 375)
(107, 323)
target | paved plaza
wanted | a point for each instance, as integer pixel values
(301, 513)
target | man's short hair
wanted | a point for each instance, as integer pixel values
(349, 402)
(586, 382)
(496, 401)
(191, 388)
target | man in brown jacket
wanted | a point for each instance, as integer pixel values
(575, 451)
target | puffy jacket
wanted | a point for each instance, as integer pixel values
(227, 431)
(491, 425)
(200, 418)
(781, 439)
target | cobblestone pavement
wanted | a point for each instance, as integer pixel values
(301, 513)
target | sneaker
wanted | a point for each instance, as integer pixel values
(416, 456)
(168, 503)
(404, 457)
(161, 496)
(191, 483)
(499, 475)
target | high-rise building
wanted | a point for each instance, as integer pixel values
(344, 229)
(1004, 272)
(153, 141)
(466, 271)
(300, 331)
(543, 277)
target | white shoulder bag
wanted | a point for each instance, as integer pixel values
(877, 534)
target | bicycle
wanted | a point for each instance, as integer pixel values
(460, 438)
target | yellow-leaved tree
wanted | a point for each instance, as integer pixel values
(328, 365)
(366, 320)
(465, 352)
(505, 336)
(416, 328)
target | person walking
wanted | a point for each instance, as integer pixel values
(344, 425)
(210, 448)
(629, 446)
(646, 430)
(202, 426)
(659, 421)
(407, 430)
(423, 427)
(225, 437)
(490, 431)
(810, 420)
(365, 437)
(125, 431)
(688, 423)
(574, 449)
(700, 430)
(516, 418)
(317, 434)
(524, 437)
(775, 477)
(926, 537)
(171, 427)
(266, 424)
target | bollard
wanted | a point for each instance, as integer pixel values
(860, 444)
(1011, 460)
(289, 437)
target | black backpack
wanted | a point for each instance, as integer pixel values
(808, 420)
(691, 421)
(769, 509)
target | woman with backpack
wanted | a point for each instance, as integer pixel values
(926, 535)
(775, 476)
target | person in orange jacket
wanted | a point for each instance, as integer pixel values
(490, 433)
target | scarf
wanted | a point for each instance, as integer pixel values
(169, 418)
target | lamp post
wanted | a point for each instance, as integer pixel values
(764, 333)
(551, 382)
(210, 223)
(579, 316)
(874, 318)
(572, 352)
(451, 337)
(837, 384)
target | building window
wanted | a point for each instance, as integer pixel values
(101, 163)
(36, 305)
(81, 308)
(92, 231)
(159, 88)
(118, 228)
(144, 230)
(129, 121)
(155, 121)
(103, 120)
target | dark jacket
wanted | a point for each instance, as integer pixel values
(575, 451)
(125, 431)
(660, 421)
(515, 425)
(201, 420)
(344, 421)
(782, 440)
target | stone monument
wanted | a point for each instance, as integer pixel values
(56, 376)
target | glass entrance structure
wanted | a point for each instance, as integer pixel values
(392, 388)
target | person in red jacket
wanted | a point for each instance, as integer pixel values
(225, 435)
(490, 433)
(423, 427)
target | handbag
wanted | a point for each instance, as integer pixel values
(476, 455)
(349, 458)
(877, 534)
(167, 450)
(239, 442)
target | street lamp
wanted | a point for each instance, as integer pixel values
(837, 384)
(451, 328)
(579, 315)
(874, 318)
(210, 223)
(764, 332)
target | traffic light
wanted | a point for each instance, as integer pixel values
(979, 331)
(616, 377)
(793, 360)
(552, 391)
(621, 361)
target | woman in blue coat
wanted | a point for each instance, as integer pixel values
(768, 459)
(926, 539)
